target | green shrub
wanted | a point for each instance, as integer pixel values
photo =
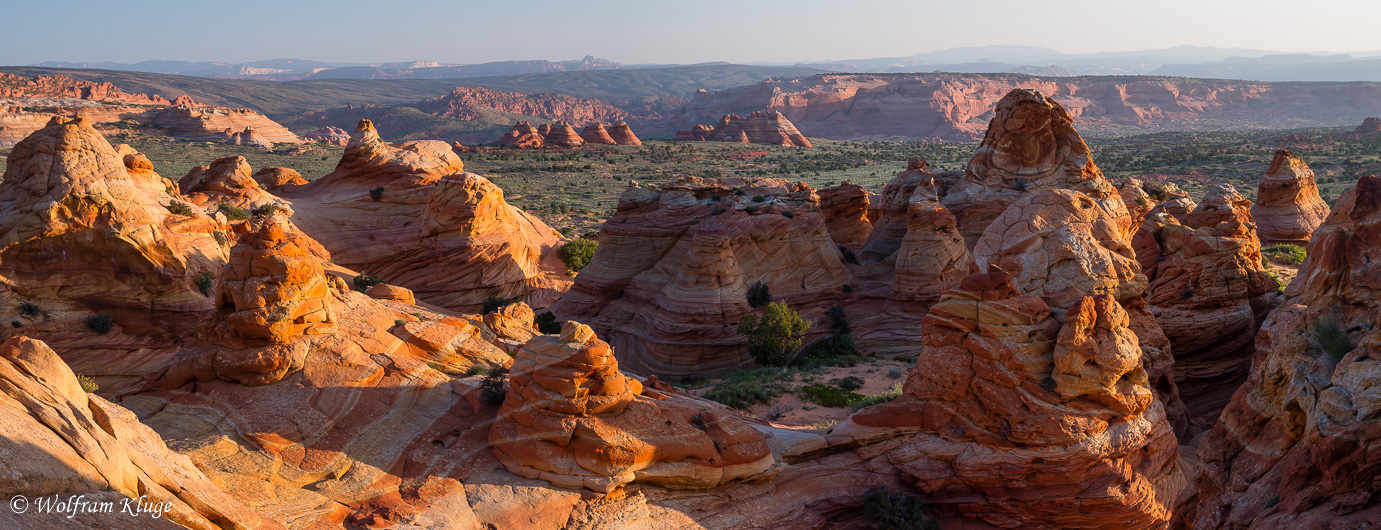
(264, 210)
(850, 383)
(88, 384)
(577, 254)
(1156, 190)
(750, 208)
(493, 303)
(232, 212)
(475, 370)
(835, 350)
(1285, 254)
(1331, 339)
(747, 387)
(896, 510)
(839, 320)
(759, 295)
(180, 208)
(221, 238)
(829, 396)
(849, 256)
(204, 282)
(494, 387)
(365, 281)
(878, 399)
(547, 324)
(376, 193)
(28, 309)
(759, 198)
(788, 214)
(776, 336)
(100, 323)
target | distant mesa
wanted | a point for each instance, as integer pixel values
(760, 127)
(482, 104)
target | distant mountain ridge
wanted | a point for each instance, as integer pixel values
(300, 69)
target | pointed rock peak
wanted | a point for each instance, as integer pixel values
(1032, 136)
(1287, 161)
(364, 126)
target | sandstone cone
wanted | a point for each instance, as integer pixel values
(572, 419)
(446, 235)
(69, 205)
(1030, 147)
(623, 135)
(1006, 381)
(594, 133)
(846, 213)
(932, 257)
(523, 135)
(1061, 243)
(1288, 207)
(561, 134)
(227, 181)
(1209, 292)
(329, 135)
(1369, 126)
(669, 281)
(1297, 445)
(771, 127)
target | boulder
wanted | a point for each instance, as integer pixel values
(273, 178)
(227, 181)
(383, 291)
(329, 135)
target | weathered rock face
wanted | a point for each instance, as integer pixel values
(949, 106)
(273, 288)
(61, 86)
(760, 127)
(1288, 206)
(224, 125)
(76, 224)
(562, 134)
(669, 281)
(227, 181)
(1008, 381)
(932, 257)
(447, 235)
(1031, 146)
(1209, 292)
(1297, 445)
(846, 214)
(623, 134)
(523, 135)
(58, 439)
(571, 418)
(1134, 197)
(594, 133)
(1062, 243)
(471, 103)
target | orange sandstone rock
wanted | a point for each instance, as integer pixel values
(623, 135)
(594, 133)
(572, 419)
(523, 135)
(1288, 207)
(846, 213)
(561, 134)
(1297, 445)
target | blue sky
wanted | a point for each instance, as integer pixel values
(657, 31)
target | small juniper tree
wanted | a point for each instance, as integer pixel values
(775, 337)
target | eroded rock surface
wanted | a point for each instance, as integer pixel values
(1288, 207)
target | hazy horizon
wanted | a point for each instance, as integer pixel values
(653, 33)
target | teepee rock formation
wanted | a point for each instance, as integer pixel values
(594, 133)
(1288, 207)
(623, 134)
